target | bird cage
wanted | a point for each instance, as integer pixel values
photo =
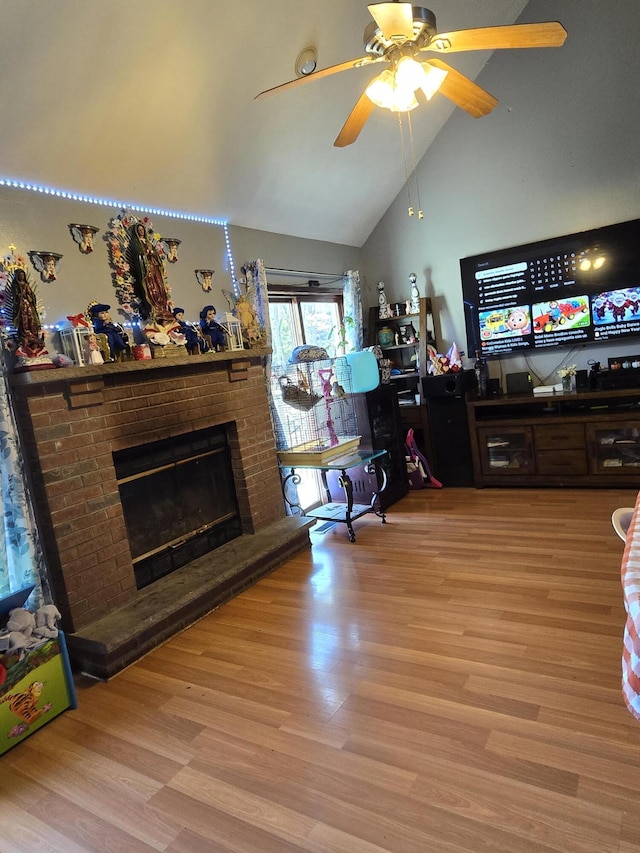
(232, 328)
(313, 412)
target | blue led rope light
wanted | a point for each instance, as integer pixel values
(107, 202)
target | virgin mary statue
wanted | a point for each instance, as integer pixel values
(148, 272)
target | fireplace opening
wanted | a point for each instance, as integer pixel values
(179, 500)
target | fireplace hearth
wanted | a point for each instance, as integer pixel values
(83, 428)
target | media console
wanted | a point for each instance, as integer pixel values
(589, 438)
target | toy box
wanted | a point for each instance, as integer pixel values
(33, 690)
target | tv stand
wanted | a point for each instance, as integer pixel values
(589, 438)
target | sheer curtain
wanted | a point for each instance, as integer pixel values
(21, 558)
(257, 295)
(352, 305)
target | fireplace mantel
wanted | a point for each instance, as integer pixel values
(233, 358)
(73, 419)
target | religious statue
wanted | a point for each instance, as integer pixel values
(26, 319)
(148, 272)
(165, 334)
(251, 328)
(83, 236)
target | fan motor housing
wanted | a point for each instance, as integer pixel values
(424, 29)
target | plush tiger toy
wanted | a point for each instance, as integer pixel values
(25, 705)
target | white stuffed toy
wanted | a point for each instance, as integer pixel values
(46, 619)
(21, 620)
(21, 626)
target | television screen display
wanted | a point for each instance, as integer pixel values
(578, 289)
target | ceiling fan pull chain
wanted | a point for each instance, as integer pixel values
(404, 158)
(415, 173)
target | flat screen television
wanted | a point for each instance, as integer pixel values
(578, 289)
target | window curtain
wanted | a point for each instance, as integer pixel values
(21, 558)
(257, 294)
(256, 278)
(352, 304)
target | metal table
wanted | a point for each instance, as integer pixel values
(343, 512)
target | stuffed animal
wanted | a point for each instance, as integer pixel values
(22, 621)
(20, 634)
(46, 618)
(18, 643)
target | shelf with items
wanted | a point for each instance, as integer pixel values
(404, 338)
(508, 450)
(408, 358)
(580, 439)
(616, 447)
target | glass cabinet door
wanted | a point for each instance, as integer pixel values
(615, 447)
(506, 450)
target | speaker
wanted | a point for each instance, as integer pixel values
(493, 388)
(449, 443)
(448, 384)
(519, 383)
(582, 380)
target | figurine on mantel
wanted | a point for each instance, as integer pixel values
(93, 354)
(26, 318)
(103, 325)
(148, 272)
(166, 335)
(195, 341)
(212, 330)
(28, 342)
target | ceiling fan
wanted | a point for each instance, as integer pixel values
(402, 36)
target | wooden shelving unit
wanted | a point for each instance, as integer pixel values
(410, 359)
(589, 438)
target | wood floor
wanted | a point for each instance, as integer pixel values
(448, 683)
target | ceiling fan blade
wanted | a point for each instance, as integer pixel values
(394, 19)
(464, 92)
(323, 72)
(549, 34)
(356, 121)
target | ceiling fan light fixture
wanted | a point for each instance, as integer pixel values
(385, 92)
(307, 61)
(432, 80)
(413, 75)
(409, 74)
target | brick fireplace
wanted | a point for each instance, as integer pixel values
(72, 421)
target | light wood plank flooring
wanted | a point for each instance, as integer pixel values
(448, 683)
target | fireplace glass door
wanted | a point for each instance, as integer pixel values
(179, 501)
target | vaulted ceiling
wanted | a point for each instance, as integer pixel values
(153, 103)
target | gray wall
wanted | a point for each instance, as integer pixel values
(292, 253)
(558, 154)
(38, 221)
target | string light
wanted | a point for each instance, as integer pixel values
(137, 208)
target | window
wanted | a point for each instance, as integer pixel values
(298, 319)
